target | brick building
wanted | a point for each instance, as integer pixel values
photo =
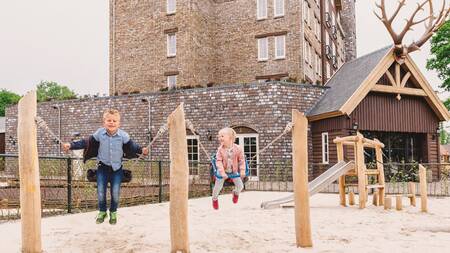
(172, 43)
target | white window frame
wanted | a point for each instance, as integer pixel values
(283, 56)
(259, 9)
(241, 144)
(325, 148)
(171, 49)
(194, 137)
(259, 41)
(169, 85)
(168, 6)
(275, 4)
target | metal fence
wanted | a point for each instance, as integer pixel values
(65, 189)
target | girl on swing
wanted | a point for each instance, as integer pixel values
(230, 160)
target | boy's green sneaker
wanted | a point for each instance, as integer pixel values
(112, 218)
(100, 217)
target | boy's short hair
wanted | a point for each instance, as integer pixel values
(111, 112)
(230, 131)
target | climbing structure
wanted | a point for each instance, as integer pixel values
(358, 142)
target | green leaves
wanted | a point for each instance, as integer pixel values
(47, 91)
(440, 54)
(7, 98)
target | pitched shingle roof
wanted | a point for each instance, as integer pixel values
(346, 81)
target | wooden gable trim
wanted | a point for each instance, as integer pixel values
(399, 90)
(431, 98)
(325, 116)
(368, 83)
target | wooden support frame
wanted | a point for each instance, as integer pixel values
(340, 155)
(300, 176)
(30, 190)
(380, 168)
(412, 193)
(359, 154)
(179, 181)
(423, 188)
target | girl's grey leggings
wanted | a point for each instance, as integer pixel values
(238, 186)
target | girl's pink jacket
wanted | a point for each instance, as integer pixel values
(238, 160)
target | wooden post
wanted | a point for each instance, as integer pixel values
(351, 198)
(398, 202)
(360, 168)
(340, 155)
(30, 190)
(387, 203)
(412, 193)
(375, 199)
(179, 181)
(380, 168)
(300, 175)
(423, 188)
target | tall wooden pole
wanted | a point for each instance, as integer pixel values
(300, 174)
(340, 156)
(30, 193)
(179, 181)
(380, 167)
(423, 188)
(361, 171)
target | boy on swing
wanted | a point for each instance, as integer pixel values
(230, 159)
(109, 144)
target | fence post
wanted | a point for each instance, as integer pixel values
(160, 181)
(69, 185)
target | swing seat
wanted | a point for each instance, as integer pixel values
(92, 175)
(214, 172)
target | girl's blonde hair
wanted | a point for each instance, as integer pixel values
(229, 131)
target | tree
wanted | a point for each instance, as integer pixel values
(440, 54)
(443, 135)
(47, 91)
(7, 98)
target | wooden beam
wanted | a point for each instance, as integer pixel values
(325, 116)
(340, 156)
(405, 79)
(360, 166)
(398, 202)
(352, 138)
(412, 192)
(373, 143)
(397, 74)
(398, 90)
(391, 78)
(30, 190)
(387, 203)
(179, 181)
(423, 188)
(300, 175)
(380, 168)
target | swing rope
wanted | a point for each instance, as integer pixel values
(286, 130)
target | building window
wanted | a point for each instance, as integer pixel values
(261, 6)
(172, 82)
(171, 6)
(278, 8)
(193, 154)
(249, 143)
(325, 150)
(280, 47)
(263, 49)
(171, 45)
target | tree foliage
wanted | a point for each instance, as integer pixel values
(440, 54)
(48, 91)
(7, 98)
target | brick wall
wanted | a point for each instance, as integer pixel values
(215, 43)
(265, 108)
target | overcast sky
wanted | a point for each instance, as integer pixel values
(67, 42)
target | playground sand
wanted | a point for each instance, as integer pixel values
(246, 227)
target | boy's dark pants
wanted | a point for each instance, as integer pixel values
(106, 174)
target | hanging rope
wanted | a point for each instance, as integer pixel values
(42, 124)
(160, 132)
(191, 127)
(287, 129)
